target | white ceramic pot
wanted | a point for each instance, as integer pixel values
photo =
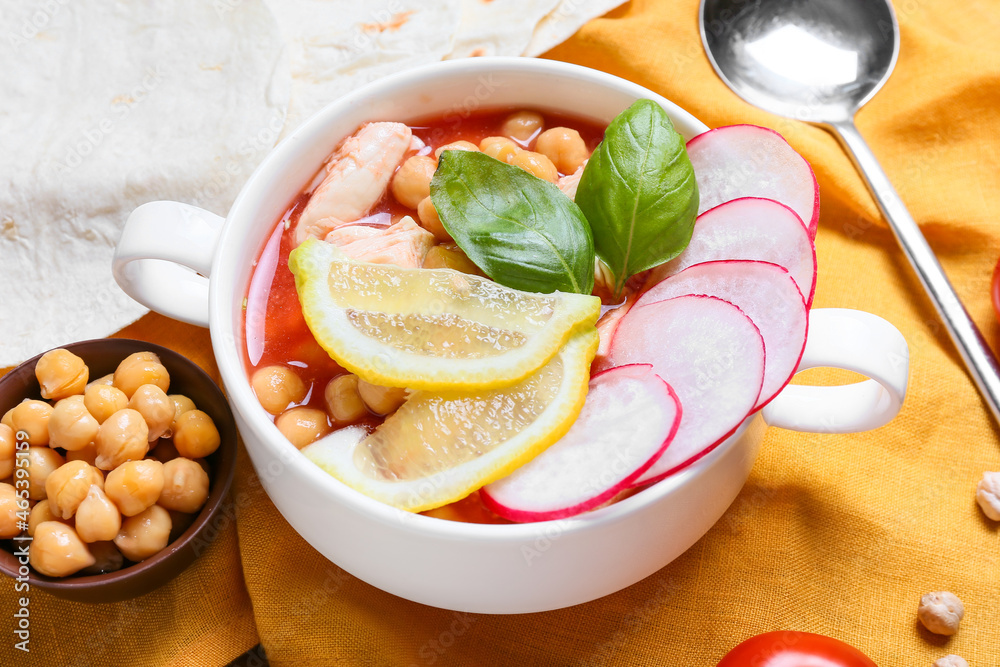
(194, 266)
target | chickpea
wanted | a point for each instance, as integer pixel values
(107, 380)
(460, 145)
(68, 484)
(155, 407)
(42, 462)
(501, 148)
(107, 558)
(61, 373)
(343, 402)
(303, 425)
(97, 518)
(277, 387)
(8, 451)
(381, 400)
(522, 126)
(42, 511)
(185, 486)
(139, 369)
(182, 404)
(412, 181)
(33, 418)
(123, 437)
(88, 454)
(8, 511)
(987, 494)
(536, 164)
(57, 551)
(7, 419)
(445, 257)
(134, 485)
(145, 355)
(951, 660)
(103, 400)
(941, 612)
(430, 220)
(71, 426)
(565, 147)
(196, 435)
(164, 451)
(144, 534)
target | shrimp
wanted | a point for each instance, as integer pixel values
(606, 327)
(341, 236)
(404, 243)
(357, 177)
(569, 183)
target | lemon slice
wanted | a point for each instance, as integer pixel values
(439, 448)
(433, 329)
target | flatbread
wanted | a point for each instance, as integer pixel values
(564, 21)
(105, 106)
(498, 27)
(337, 46)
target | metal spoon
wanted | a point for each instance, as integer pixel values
(820, 61)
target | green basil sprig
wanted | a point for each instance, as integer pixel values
(520, 230)
(638, 192)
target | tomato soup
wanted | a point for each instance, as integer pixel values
(276, 333)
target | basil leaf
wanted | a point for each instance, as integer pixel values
(520, 230)
(638, 192)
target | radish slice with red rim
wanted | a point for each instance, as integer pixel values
(766, 293)
(627, 421)
(710, 353)
(749, 228)
(752, 161)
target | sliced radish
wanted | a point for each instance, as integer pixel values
(749, 228)
(712, 356)
(627, 422)
(751, 161)
(766, 293)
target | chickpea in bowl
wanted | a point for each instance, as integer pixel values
(120, 477)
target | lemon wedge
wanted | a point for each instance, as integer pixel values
(431, 329)
(440, 447)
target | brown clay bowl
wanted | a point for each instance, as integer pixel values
(102, 357)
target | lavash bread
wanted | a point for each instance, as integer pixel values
(105, 106)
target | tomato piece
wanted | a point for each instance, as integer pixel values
(790, 648)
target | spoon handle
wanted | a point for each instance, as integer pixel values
(975, 352)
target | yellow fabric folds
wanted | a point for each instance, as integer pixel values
(834, 534)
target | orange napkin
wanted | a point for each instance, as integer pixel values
(835, 534)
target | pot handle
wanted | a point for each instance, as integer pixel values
(164, 258)
(856, 341)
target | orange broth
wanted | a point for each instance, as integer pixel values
(274, 328)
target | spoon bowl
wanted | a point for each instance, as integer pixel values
(820, 61)
(843, 53)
